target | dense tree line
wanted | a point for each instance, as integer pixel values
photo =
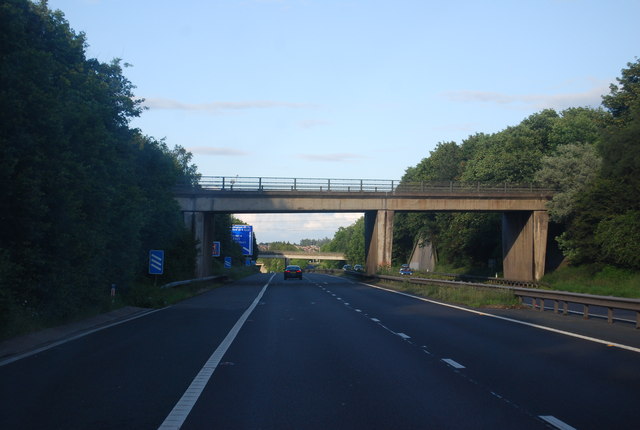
(83, 196)
(350, 241)
(590, 156)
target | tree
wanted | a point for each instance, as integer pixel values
(624, 96)
(605, 228)
(83, 197)
(569, 170)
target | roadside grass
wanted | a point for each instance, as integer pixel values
(475, 297)
(602, 280)
(595, 279)
(145, 295)
(151, 296)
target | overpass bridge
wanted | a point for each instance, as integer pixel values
(523, 209)
(302, 255)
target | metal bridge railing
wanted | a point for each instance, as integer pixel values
(235, 183)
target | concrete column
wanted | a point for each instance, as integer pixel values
(540, 236)
(378, 230)
(524, 244)
(202, 228)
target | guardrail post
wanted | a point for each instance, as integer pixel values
(295, 184)
(585, 314)
(555, 306)
(610, 315)
(328, 184)
(360, 184)
(260, 184)
(565, 308)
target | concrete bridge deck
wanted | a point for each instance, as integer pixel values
(525, 218)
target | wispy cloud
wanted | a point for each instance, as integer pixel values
(591, 97)
(310, 123)
(336, 157)
(220, 107)
(208, 150)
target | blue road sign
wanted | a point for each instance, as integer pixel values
(227, 262)
(156, 262)
(243, 235)
(215, 249)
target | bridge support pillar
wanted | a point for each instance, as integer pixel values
(378, 239)
(201, 225)
(524, 244)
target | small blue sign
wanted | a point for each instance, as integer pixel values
(227, 262)
(156, 262)
(215, 249)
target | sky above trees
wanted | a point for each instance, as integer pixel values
(350, 88)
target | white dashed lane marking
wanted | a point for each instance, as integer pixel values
(556, 422)
(453, 363)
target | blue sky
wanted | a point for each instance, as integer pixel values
(350, 88)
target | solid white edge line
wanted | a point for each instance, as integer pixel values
(72, 338)
(541, 327)
(181, 410)
(556, 422)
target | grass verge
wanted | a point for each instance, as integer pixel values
(595, 279)
(475, 297)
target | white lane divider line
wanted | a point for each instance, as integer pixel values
(561, 425)
(181, 410)
(358, 310)
(375, 320)
(453, 363)
(404, 336)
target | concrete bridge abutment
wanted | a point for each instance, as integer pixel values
(524, 244)
(378, 239)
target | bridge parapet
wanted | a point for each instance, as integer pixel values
(258, 184)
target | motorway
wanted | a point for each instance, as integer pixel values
(324, 352)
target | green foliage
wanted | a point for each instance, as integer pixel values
(599, 279)
(316, 242)
(468, 296)
(569, 170)
(559, 150)
(84, 197)
(624, 96)
(618, 238)
(350, 241)
(605, 228)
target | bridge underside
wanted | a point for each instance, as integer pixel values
(524, 220)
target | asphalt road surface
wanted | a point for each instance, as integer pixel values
(322, 353)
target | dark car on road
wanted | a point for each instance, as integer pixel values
(292, 272)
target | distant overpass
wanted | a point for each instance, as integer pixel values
(525, 218)
(302, 255)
